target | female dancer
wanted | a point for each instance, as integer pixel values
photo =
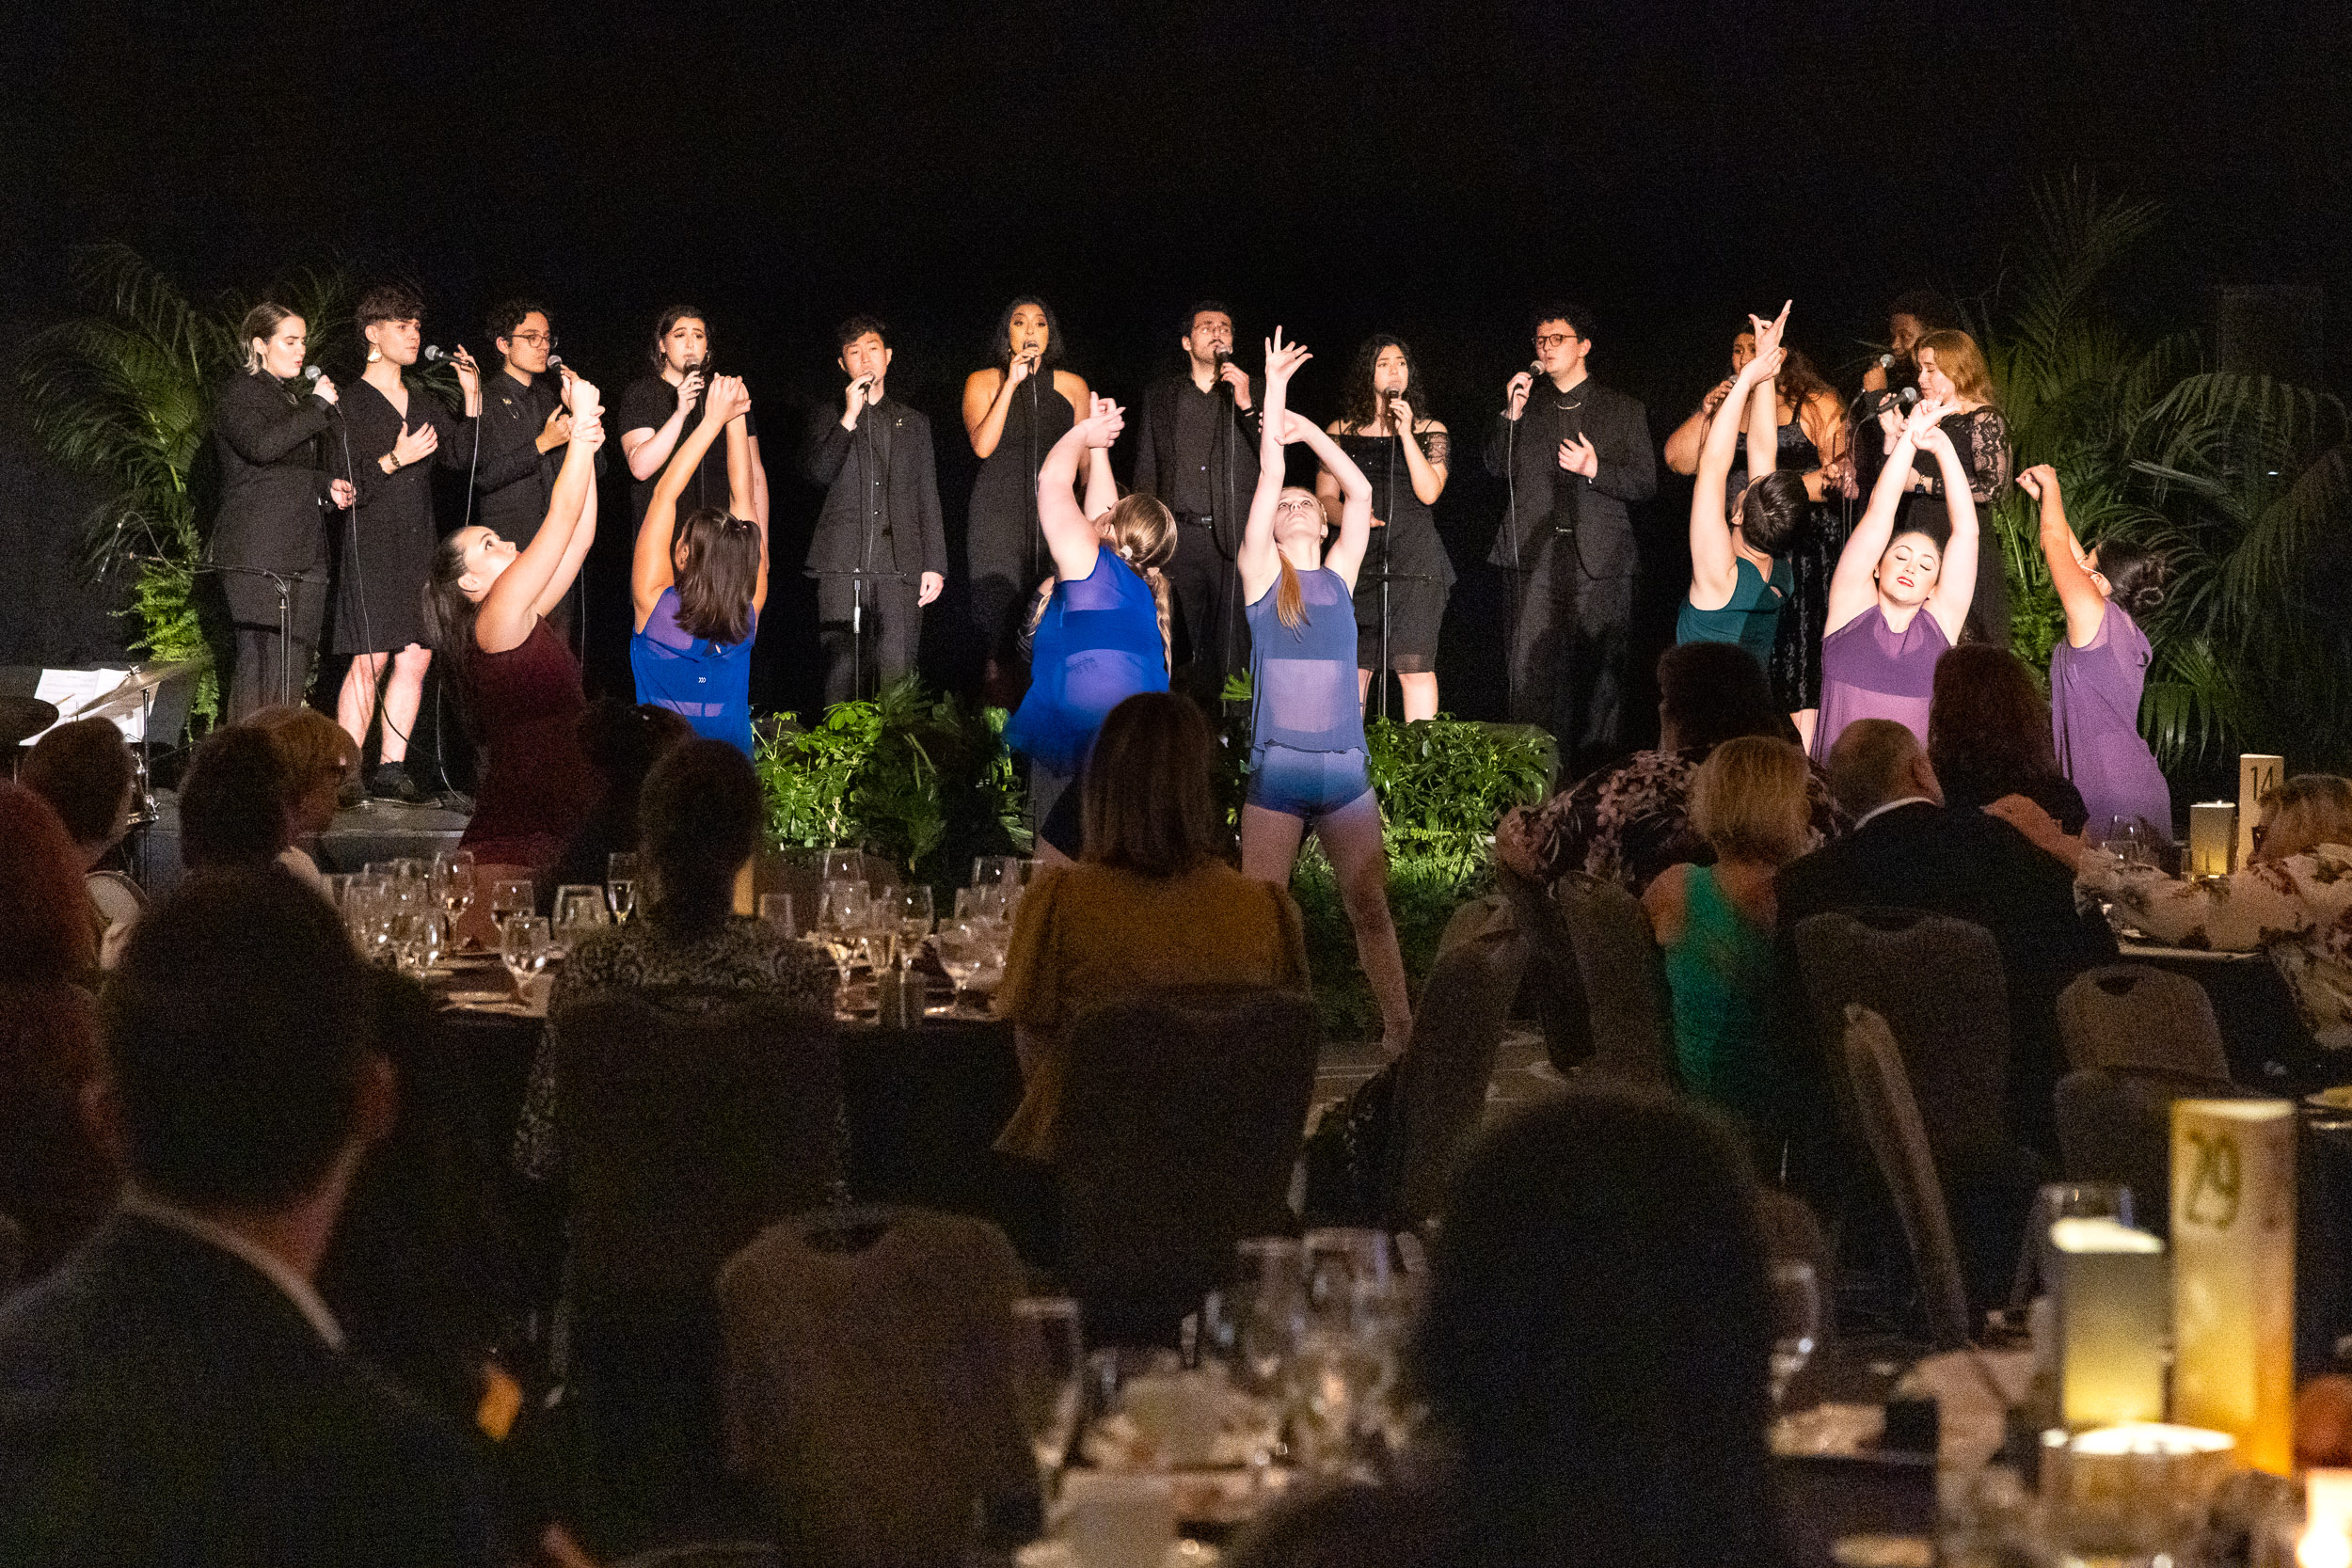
(1013, 423)
(1952, 372)
(1306, 746)
(2099, 667)
(1739, 576)
(270, 535)
(1104, 631)
(484, 606)
(698, 586)
(392, 429)
(1379, 431)
(1899, 596)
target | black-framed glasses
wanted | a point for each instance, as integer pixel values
(533, 338)
(1553, 339)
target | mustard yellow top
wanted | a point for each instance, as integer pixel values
(1090, 934)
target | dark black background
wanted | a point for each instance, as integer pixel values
(1431, 169)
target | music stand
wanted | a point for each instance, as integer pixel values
(858, 576)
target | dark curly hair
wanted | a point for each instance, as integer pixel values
(387, 302)
(2135, 576)
(1358, 405)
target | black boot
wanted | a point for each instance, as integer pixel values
(391, 782)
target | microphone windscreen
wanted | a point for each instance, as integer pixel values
(310, 372)
(432, 354)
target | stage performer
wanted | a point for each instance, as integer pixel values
(697, 586)
(1900, 596)
(523, 431)
(1197, 450)
(1389, 442)
(1306, 754)
(659, 407)
(1952, 372)
(485, 606)
(1103, 629)
(1013, 417)
(881, 517)
(1577, 456)
(276, 489)
(395, 433)
(1740, 574)
(2100, 667)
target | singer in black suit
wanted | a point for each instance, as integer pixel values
(1577, 456)
(881, 516)
(525, 427)
(659, 406)
(1198, 452)
(276, 499)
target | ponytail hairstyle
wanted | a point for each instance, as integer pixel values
(1143, 532)
(2135, 576)
(449, 613)
(1290, 597)
(261, 322)
(1772, 509)
(719, 576)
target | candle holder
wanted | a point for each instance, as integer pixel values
(2233, 1274)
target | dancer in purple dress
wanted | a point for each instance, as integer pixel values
(2097, 672)
(1897, 600)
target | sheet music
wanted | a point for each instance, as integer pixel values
(75, 689)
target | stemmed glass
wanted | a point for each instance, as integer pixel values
(844, 865)
(418, 939)
(963, 952)
(1795, 1321)
(1048, 1379)
(524, 947)
(2130, 841)
(452, 882)
(911, 906)
(510, 897)
(579, 910)
(620, 885)
(841, 917)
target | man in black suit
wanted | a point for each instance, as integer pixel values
(1908, 850)
(523, 431)
(176, 1391)
(880, 514)
(1198, 452)
(1578, 455)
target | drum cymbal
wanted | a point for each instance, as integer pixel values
(127, 698)
(23, 717)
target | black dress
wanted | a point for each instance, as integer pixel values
(384, 548)
(1004, 550)
(1980, 436)
(1796, 664)
(273, 518)
(1408, 547)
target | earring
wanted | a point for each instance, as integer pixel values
(375, 353)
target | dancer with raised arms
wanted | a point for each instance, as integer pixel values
(1103, 630)
(1739, 575)
(1899, 597)
(697, 584)
(1307, 756)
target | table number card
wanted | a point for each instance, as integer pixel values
(2257, 776)
(2233, 1274)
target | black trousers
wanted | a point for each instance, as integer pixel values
(262, 654)
(1568, 640)
(891, 625)
(1208, 614)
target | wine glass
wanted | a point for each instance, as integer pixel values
(775, 909)
(510, 897)
(579, 910)
(451, 883)
(983, 903)
(843, 864)
(524, 947)
(1048, 1379)
(417, 940)
(962, 950)
(1796, 1320)
(911, 906)
(841, 917)
(2130, 841)
(620, 884)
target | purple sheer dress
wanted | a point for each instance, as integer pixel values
(2094, 720)
(1872, 671)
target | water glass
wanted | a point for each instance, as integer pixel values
(1347, 1276)
(579, 910)
(2071, 1200)
(775, 909)
(510, 897)
(2130, 840)
(841, 921)
(911, 907)
(418, 937)
(525, 946)
(843, 864)
(1796, 1320)
(451, 883)
(984, 903)
(1048, 1378)
(620, 885)
(963, 952)
(989, 870)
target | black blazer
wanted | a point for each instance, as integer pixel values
(1974, 867)
(513, 476)
(161, 1401)
(1156, 456)
(273, 478)
(863, 491)
(1547, 501)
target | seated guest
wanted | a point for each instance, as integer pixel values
(232, 803)
(2293, 899)
(176, 1391)
(1989, 735)
(622, 742)
(1593, 1354)
(1909, 850)
(1716, 924)
(1625, 825)
(701, 822)
(1151, 905)
(86, 772)
(55, 1180)
(320, 758)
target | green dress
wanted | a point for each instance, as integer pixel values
(1730, 1028)
(1752, 616)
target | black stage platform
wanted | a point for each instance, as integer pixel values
(371, 831)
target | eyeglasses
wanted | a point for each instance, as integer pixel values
(1553, 339)
(533, 338)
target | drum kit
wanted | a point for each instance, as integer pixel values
(23, 717)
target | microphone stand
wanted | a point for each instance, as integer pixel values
(284, 582)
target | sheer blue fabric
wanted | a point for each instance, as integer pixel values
(706, 684)
(1307, 743)
(1098, 644)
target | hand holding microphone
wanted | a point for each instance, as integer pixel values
(691, 387)
(1515, 389)
(1400, 412)
(322, 386)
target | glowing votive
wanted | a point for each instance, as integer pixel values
(2212, 832)
(2233, 1274)
(2112, 1318)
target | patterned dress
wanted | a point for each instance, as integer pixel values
(2298, 909)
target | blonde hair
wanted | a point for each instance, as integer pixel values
(1751, 801)
(313, 747)
(2307, 810)
(1959, 358)
(1143, 531)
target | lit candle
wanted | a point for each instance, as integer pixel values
(2112, 1318)
(2212, 832)
(2257, 776)
(2233, 1274)
(2326, 1539)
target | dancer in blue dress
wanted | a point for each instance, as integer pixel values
(1307, 750)
(698, 585)
(1102, 633)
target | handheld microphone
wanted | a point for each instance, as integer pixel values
(310, 374)
(432, 354)
(555, 361)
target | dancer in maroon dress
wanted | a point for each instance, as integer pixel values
(485, 606)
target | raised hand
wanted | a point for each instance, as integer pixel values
(729, 398)
(1296, 427)
(690, 389)
(2041, 481)
(584, 399)
(1767, 363)
(588, 428)
(1923, 418)
(1283, 359)
(1768, 333)
(1102, 425)
(414, 444)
